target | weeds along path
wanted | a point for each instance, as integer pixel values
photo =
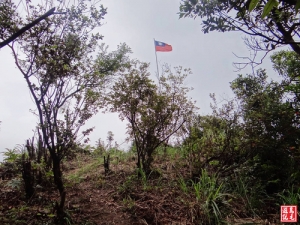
(121, 197)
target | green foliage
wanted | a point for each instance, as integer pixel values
(297, 6)
(12, 163)
(183, 185)
(65, 72)
(290, 197)
(269, 128)
(127, 187)
(211, 197)
(141, 173)
(12, 155)
(269, 24)
(15, 183)
(100, 147)
(214, 141)
(248, 192)
(85, 170)
(266, 116)
(253, 4)
(251, 142)
(128, 202)
(8, 19)
(273, 4)
(268, 7)
(287, 64)
(68, 221)
(154, 114)
(65, 78)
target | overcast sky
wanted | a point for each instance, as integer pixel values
(135, 22)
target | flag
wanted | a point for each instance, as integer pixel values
(162, 47)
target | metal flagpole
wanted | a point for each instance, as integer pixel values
(156, 64)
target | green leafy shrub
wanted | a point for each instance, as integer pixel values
(290, 196)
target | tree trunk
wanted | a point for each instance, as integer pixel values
(146, 167)
(60, 186)
(28, 177)
(138, 158)
(147, 161)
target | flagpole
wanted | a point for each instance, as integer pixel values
(156, 62)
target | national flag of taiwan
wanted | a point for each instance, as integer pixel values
(162, 47)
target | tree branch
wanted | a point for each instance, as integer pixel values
(27, 27)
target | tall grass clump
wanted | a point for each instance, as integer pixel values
(211, 198)
(290, 196)
(250, 195)
(183, 185)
